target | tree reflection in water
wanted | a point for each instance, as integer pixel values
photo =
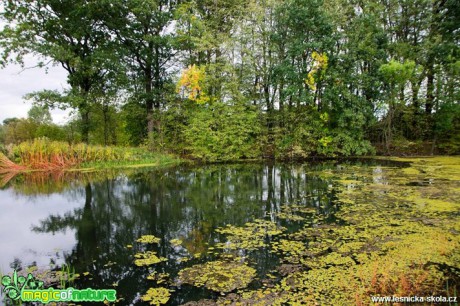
(177, 203)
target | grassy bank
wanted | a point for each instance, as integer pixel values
(45, 155)
(156, 160)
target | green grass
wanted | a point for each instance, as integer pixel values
(155, 160)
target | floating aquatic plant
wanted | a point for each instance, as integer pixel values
(176, 242)
(148, 239)
(251, 236)
(290, 250)
(220, 276)
(157, 296)
(158, 277)
(394, 238)
(147, 258)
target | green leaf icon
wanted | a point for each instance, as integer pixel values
(6, 281)
(21, 279)
(13, 294)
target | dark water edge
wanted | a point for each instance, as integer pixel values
(88, 221)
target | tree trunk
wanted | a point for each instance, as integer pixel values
(415, 133)
(429, 90)
(437, 6)
(85, 123)
(105, 115)
(83, 109)
(149, 100)
(282, 97)
(158, 90)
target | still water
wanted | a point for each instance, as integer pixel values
(91, 221)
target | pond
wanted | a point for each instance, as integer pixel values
(247, 233)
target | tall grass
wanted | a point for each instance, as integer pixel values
(66, 276)
(44, 154)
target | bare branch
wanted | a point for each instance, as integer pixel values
(40, 65)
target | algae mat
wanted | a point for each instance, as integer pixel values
(395, 233)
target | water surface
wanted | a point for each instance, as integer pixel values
(90, 221)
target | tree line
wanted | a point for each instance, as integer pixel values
(232, 79)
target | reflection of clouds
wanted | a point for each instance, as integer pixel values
(160, 202)
(16, 238)
(377, 175)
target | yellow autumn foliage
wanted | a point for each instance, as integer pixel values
(191, 84)
(320, 64)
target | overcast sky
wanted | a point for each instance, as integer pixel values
(15, 82)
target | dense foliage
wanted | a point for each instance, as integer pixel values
(240, 79)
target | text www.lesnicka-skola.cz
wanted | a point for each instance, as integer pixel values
(414, 299)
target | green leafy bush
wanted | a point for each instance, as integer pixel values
(220, 132)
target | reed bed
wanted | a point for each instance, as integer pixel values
(7, 166)
(44, 154)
